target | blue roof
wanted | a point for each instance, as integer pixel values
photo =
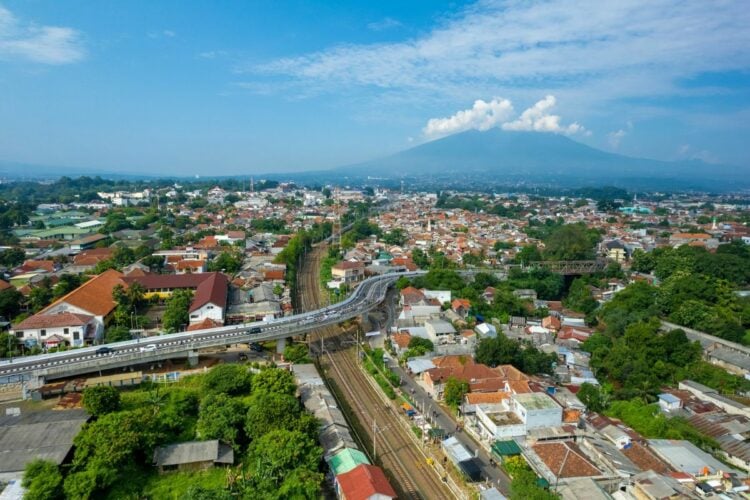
(669, 398)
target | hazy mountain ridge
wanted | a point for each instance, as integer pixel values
(541, 157)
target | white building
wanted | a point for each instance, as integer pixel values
(53, 330)
(439, 330)
(536, 410)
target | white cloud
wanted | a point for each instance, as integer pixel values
(498, 113)
(621, 48)
(39, 44)
(615, 138)
(482, 116)
(384, 24)
(538, 119)
(169, 33)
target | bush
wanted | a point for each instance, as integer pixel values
(101, 400)
(228, 379)
(42, 480)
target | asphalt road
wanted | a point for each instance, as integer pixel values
(444, 420)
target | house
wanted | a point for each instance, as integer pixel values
(190, 266)
(52, 330)
(669, 402)
(486, 330)
(461, 307)
(536, 410)
(525, 294)
(91, 299)
(210, 291)
(411, 296)
(348, 272)
(614, 250)
(193, 455)
(92, 257)
(551, 323)
(364, 482)
(439, 330)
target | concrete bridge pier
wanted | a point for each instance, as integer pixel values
(192, 357)
(280, 346)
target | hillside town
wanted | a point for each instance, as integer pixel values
(595, 342)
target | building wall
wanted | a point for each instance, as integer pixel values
(36, 334)
(209, 310)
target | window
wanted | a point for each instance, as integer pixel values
(210, 307)
(76, 335)
(66, 331)
(19, 335)
(43, 333)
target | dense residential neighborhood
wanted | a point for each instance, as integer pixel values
(580, 347)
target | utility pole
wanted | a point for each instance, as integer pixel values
(374, 442)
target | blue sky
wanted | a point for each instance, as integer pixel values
(220, 87)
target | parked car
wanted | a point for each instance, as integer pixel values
(255, 329)
(105, 350)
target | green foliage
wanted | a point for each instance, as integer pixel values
(8, 345)
(647, 420)
(396, 236)
(636, 303)
(594, 397)
(281, 456)
(276, 380)
(40, 297)
(227, 262)
(269, 411)
(100, 400)
(12, 257)
(296, 353)
(277, 226)
(233, 380)
(176, 315)
(454, 392)
(571, 242)
(579, 297)
(502, 350)
(42, 480)
(548, 285)
(66, 284)
(524, 481)
(117, 333)
(220, 417)
(10, 303)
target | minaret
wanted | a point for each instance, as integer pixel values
(713, 225)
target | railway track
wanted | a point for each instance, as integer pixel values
(394, 448)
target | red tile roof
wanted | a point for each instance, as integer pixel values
(94, 296)
(53, 321)
(565, 460)
(209, 287)
(364, 481)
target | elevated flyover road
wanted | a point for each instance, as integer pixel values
(36, 369)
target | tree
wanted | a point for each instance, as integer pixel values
(8, 345)
(579, 297)
(12, 257)
(220, 417)
(10, 303)
(269, 411)
(396, 236)
(39, 298)
(594, 397)
(100, 400)
(274, 380)
(454, 392)
(571, 242)
(117, 333)
(275, 455)
(227, 262)
(176, 315)
(233, 380)
(296, 353)
(42, 480)
(66, 284)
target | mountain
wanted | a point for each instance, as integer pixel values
(498, 157)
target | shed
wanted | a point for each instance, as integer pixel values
(193, 455)
(346, 460)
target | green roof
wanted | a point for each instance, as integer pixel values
(506, 448)
(346, 460)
